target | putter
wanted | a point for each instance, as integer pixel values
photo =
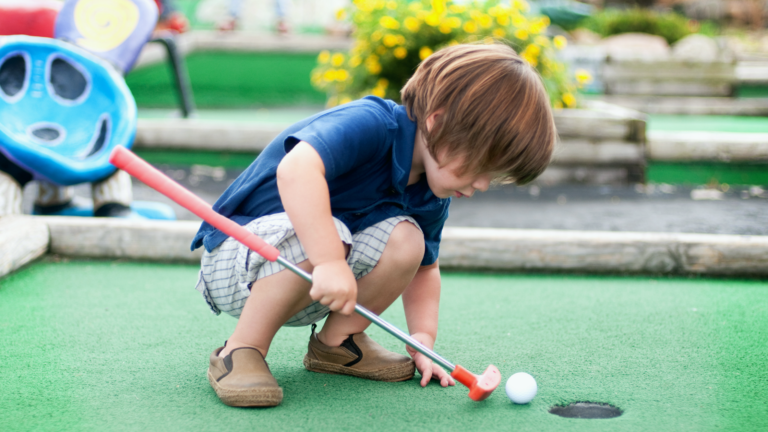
(480, 386)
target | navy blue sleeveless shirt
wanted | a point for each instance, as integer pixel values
(367, 149)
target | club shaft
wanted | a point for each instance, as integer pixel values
(372, 317)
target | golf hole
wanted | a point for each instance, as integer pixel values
(586, 410)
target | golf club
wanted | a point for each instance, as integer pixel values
(480, 386)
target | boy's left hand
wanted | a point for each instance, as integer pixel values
(428, 369)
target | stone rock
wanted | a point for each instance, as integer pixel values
(636, 46)
(696, 48)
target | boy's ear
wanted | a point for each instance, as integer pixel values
(433, 118)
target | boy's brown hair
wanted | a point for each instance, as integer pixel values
(496, 112)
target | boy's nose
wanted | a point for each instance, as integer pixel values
(482, 184)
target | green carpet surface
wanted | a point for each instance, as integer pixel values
(96, 346)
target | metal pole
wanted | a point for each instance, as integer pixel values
(372, 317)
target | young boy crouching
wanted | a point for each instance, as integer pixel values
(358, 196)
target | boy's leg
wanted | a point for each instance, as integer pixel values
(382, 286)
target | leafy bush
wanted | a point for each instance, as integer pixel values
(671, 26)
(392, 37)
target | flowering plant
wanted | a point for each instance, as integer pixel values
(392, 37)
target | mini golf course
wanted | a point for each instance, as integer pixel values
(98, 345)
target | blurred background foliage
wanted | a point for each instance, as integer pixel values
(392, 37)
(669, 25)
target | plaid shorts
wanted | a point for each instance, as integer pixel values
(228, 271)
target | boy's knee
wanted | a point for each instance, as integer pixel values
(406, 245)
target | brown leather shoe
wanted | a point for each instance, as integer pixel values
(358, 356)
(242, 379)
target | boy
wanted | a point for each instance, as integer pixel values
(358, 196)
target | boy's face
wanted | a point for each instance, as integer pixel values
(446, 181)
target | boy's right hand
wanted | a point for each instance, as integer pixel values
(334, 285)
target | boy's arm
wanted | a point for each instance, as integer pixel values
(306, 199)
(421, 301)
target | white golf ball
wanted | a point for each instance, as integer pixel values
(521, 388)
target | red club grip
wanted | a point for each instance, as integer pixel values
(137, 167)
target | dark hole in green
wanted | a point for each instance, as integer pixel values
(586, 410)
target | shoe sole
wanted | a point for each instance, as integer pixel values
(256, 397)
(397, 373)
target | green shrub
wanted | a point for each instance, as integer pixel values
(671, 26)
(392, 37)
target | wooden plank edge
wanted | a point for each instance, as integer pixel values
(461, 248)
(23, 239)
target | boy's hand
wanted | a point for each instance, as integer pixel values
(334, 285)
(428, 369)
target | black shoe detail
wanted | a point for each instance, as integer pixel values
(352, 346)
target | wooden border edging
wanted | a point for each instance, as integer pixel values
(165, 241)
(22, 239)
(461, 248)
(604, 252)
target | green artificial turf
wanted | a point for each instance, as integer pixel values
(699, 123)
(96, 346)
(225, 79)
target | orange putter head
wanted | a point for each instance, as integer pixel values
(480, 386)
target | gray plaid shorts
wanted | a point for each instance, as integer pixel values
(228, 271)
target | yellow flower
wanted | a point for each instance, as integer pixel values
(332, 101)
(432, 19)
(438, 6)
(344, 100)
(453, 43)
(412, 24)
(530, 59)
(330, 75)
(445, 29)
(494, 11)
(391, 5)
(425, 52)
(382, 82)
(533, 50)
(337, 59)
(389, 22)
(378, 92)
(323, 57)
(381, 50)
(375, 36)
(341, 14)
(583, 77)
(485, 21)
(519, 20)
(488, 41)
(558, 105)
(372, 64)
(503, 20)
(342, 75)
(560, 42)
(400, 52)
(415, 6)
(389, 40)
(499, 33)
(400, 39)
(453, 22)
(520, 5)
(470, 27)
(569, 100)
(355, 61)
(521, 34)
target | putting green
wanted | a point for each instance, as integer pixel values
(735, 124)
(93, 346)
